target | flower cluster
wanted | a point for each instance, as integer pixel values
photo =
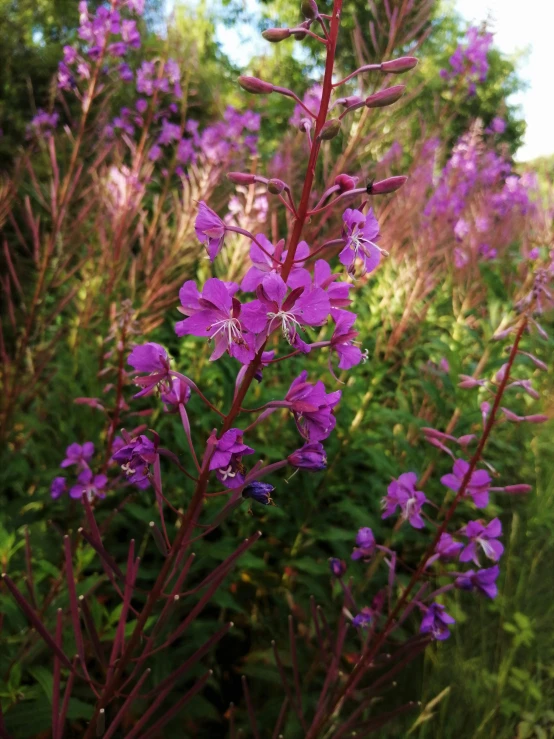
(469, 61)
(87, 483)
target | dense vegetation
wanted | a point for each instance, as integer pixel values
(98, 210)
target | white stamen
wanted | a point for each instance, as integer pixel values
(288, 322)
(228, 472)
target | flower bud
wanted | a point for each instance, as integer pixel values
(309, 9)
(255, 86)
(337, 566)
(301, 35)
(536, 418)
(310, 457)
(518, 489)
(275, 186)
(259, 491)
(241, 178)
(383, 187)
(347, 102)
(330, 129)
(385, 97)
(276, 34)
(397, 66)
(346, 182)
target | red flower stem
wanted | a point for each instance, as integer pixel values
(66, 697)
(360, 669)
(126, 705)
(196, 504)
(56, 677)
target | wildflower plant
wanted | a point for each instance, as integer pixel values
(293, 303)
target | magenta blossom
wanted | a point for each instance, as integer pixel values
(482, 580)
(191, 297)
(310, 457)
(343, 341)
(337, 292)
(446, 549)
(402, 494)
(360, 232)
(337, 566)
(219, 318)
(176, 392)
(436, 622)
(226, 459)
(271, 261)
(477, 487)
(485, 537)
(275, 309)
(58, 487)
(365, 545)
(135, 458)
(363, 619)
(312, 407)
(79, 455)
(153, 359)
(90, 485)
(210, 230)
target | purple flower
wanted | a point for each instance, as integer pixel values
(79, 455)
(90, 485)
(275, 309)
(436, 622)
(125, 72)
(363, 619)
(337, 566)
(484, 537)
(312, 407)
(153, 359)
(130, 33)
(259, 491)
(218, 317)
(176, 392)
(402, 494)
(170, 132)
(58, 487)
(343, 343)
(337, 291)
(226, 459)
(135, 458)
(365, 545)
(482, 580)
(478, 485)
(446, 549)
(360, 232)
(263, 264)
(310, 457)
(209, 229)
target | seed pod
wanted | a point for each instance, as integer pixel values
(402, 64)
(255, 86)
(276, 34)
(385, 97)
(330, 129)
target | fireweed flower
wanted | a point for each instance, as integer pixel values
(259, 491)
(219, 318)
(363, 619)
(477, 487)
(153, 359)
(360, 232)
(135, 458)
(365, 545)
(176, 392)
(79, 455)
(337, 292)
(402, 494)
(312, 407)
(436, 622)
(482, 580)
(263, 263)
(226, 459)
(337, 566)
(90, 485)
(210, 230)
(343, 342)
(275, 309)
(58, 487)
(446, 549)
(310, 457)
(485, 537)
